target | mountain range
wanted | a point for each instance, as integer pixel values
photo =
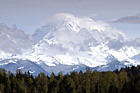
(67, 43)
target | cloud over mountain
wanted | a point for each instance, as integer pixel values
(69, 39)
(13, 40)
(129, 19)
(66, 43)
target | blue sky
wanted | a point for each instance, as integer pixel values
(30, 14)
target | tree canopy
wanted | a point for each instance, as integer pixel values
(127, 80)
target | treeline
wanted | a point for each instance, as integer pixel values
(126, 80)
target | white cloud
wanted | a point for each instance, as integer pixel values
(84, 40)
(14, 40)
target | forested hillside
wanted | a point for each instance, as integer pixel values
(126, 80)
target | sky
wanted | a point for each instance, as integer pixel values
(31, 14)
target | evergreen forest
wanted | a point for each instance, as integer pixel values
(126, 80)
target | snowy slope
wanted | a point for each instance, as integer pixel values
(71, 40)
(25, 65)
(137, 58)
(67, 43)
(114, 64)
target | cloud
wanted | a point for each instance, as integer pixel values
(80, 40)
(135, 43)
(14, 40)
(129, 19)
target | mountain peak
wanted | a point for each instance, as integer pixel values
(65, 23)
(63, 16)
(69, 39)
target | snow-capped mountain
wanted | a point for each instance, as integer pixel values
(113, 64)
(137, 58)
(25, 65)
(67, 43)
(70, 24)
(71, 40)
